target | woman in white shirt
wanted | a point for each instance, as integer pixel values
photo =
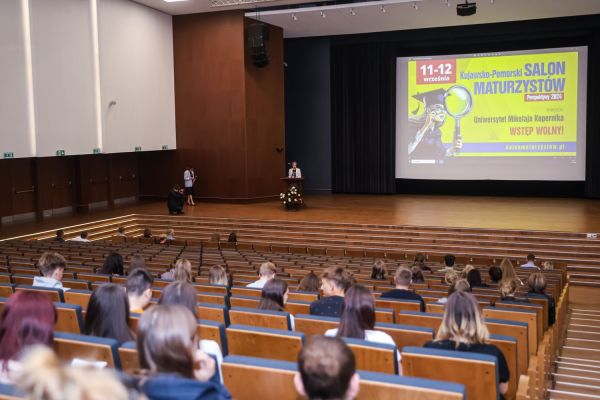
(358, 318)
(294, 172)
(274, 297)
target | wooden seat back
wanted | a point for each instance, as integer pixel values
(312, 325)
(255, 341)
(261, 318)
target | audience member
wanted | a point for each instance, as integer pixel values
(175, 200)
(422, 266)
(547, 265)
(28, 319)
(83, 237)
(266, 272)
(218, 276)
(167, 346)
(459, 285)
(310, 283)
(52, 266)
(508, 291)
(327, 370)
(182, 293)
(537, 290)
(274, 297)
(139, 290)
(147, 233)
(113, 265)
(508, 271)
(463, 329)
(181, 272)
(450, 277)
(334, 282)
(530, 262)
(170, 235)
(403, 280)
(417, 274)
(379, 270)
(44, 377)
(232, 238)
(420, 258)
(465, 271)
(495, 274)
(474, 279)
(449, 260)
(121, 232)
(108, 314)
(60, 236)
(137, 262)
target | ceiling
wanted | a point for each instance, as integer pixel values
(399, 14)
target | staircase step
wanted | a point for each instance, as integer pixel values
(578, 370)
(581, 352)
(581, 360)
(578, 388)
(566, 395)
(588, 344)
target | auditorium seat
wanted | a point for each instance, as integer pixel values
(508, 347)
(69, 346)
(541, 313)
(129, 357)
(256, 341)
(5, 278)
(76, 284)
(244, 301)
(478, 372)
(295, 307)
(375, 385)
(79, 297)
(399, 305)
(69, 318)
(94, 277)
(10, 392)
(385, 315)
(244, 291)
(208, 288)
(214, 298)
(376, 357)
(6, 289)
(213, 312)
(20, 279)
(424, 319)
(405, 335)
(516, 330)
(55, 295)
(518, 315)
(303, 296)
(311, 325)
(263, 318)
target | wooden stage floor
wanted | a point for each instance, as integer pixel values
(570, 215)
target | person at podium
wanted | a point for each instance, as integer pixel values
(294, 172)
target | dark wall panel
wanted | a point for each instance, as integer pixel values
(124, 175)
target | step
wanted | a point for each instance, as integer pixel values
(576, 378)
(581, 388)
(581, 352)
(578, 370)
(566, 395)
(588, 344)
(583, 334)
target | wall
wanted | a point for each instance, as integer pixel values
(308, 110)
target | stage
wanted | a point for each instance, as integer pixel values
(569, 215)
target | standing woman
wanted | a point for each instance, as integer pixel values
(189, 177)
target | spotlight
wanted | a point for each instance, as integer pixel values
(415, 5)
(382, 9)
(352, 12)
(466, 9)
(323, 15)
(294, 17)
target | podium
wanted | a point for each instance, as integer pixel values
(293, 196)
(294, 182)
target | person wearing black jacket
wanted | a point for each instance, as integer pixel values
(175, 200)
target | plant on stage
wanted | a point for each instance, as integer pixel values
(292, 199)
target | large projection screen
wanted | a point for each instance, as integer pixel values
(517, 115)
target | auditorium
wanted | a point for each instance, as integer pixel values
(283, 199)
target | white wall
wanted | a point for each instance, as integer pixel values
(136, 66)
(62, 62)
(15, 130)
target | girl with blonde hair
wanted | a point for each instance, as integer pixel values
(379, 270)
(181, 272)
(463, 329)
(218, 276)
(508, 292)
(508, 271)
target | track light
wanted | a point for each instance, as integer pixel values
(294, 18)
(415, 5)
(323, 15)
(382, 9)
(352, 12)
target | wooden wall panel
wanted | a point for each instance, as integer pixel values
(265, 122)
(124, 175)
(55, 181)
(22, 185)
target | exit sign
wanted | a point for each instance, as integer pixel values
(138, 148)
(9, 154)
(165, 147)
(60, 153)
(97, 150)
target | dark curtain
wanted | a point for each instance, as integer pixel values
(363, 98)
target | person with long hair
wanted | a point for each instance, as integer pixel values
(113, 265)
(182, 271)
(107, 314)
(310, 283)
(537, 290)
(465, 271)
(463, 329)
(266, 272)
(508, 271)
(459, 285)
(274, 296)
(175, 368)
(379, 270)
(334, 282)
(508, 292)
(28, 319)
(474, 279)
(217, 275)
(495, 274)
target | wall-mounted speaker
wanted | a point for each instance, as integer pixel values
(257, 35)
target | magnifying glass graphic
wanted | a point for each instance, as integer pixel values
(458, 102)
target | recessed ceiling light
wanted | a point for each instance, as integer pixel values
(352, 12)
(173, 1)
(294, 17)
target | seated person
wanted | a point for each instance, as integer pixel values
(420, 258)
(465, 271)
(60, 236)
(459, 285)
(495, 274)
(327, 370)
(137, 261)
(181, 272)
(530, 262)
(379, 270)
(547, 265)
(358, 318)
(175, 200)
(537, 287)
(403, 279)
(218, 276)
(294, 172)
(310, 283)
(139, 290)
(422, 266)
(274, 297)
(113, 265)
(508, 291)
(107, 314)
(334, 282)
(232, 238)
(52, 266)
(28, 319)
(266, 272)
(449, 260)
(83, 237)
(450, 277)
(147, 233)
(417, 274)
(463, 329)
(175, 368)
(474, 279)
(121, 232)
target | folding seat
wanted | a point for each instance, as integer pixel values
(311, 325)
(69, 346)
(295, 307)
(213, 312)
(10, 392)
(424, 319)
(477, 372)
(529, 317)
(374, 385)
(76, 284)
(385, 315)
(508, 347)
(303, 296)
(406, 335)
(516, 330)
(129, 357)
(21, 279)
(79, 297)
(257, 341)
(540, 311)
(244, 301)
(5, 278)
(375, 357)
(6, 289)
(55, 295)
(214, 298)
(244, 291)
(263, 318)
(69, 318)
(94, 277)
(208, 288)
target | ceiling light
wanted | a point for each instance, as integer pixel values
(294, 17)
(323, 15)
(173, 1)
(352, 12)
(382, 9)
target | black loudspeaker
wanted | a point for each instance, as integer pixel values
(257, 35)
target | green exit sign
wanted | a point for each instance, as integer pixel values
(9, 154)
(138, 148)
(97, 150)
(60, 153)
(165, 147)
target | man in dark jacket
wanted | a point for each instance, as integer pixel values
(175, 200)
